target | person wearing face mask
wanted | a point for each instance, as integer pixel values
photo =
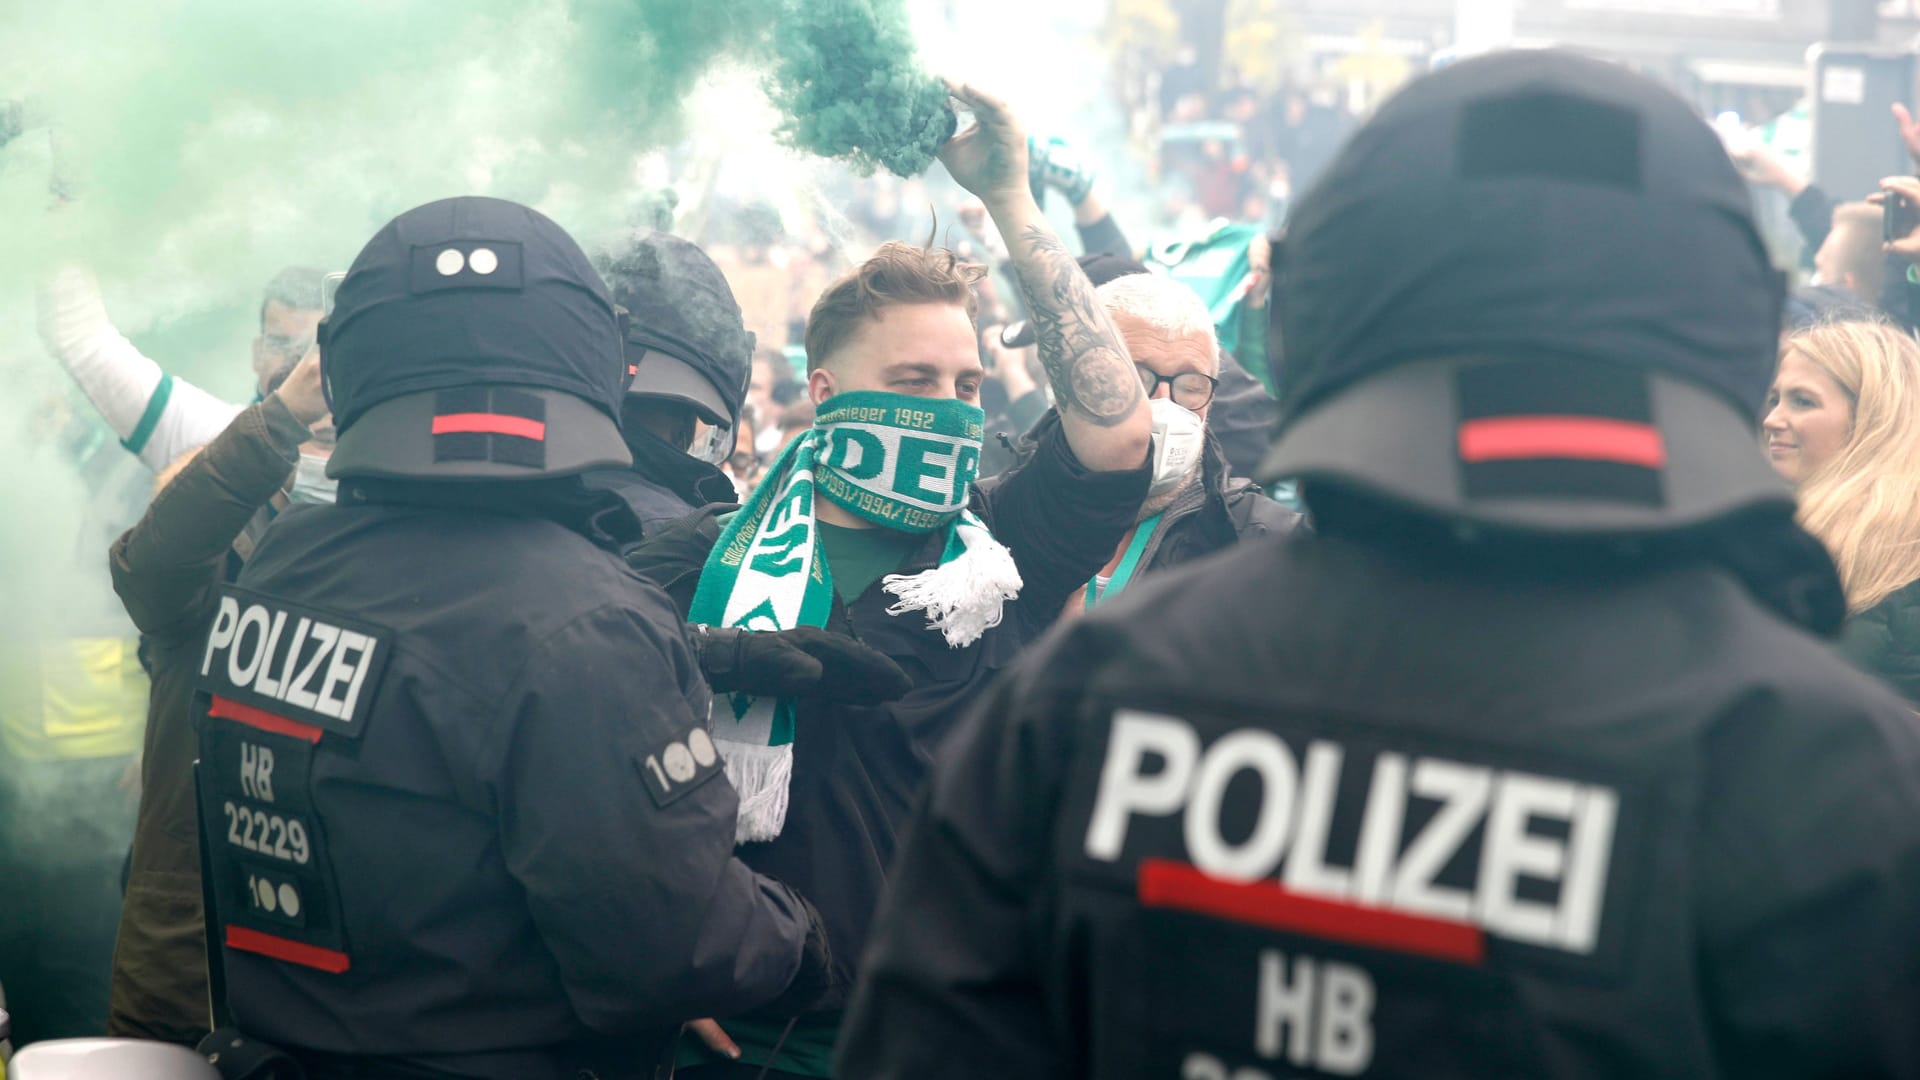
(1240, 415)
(689, 352)
(1843, 426)
(168, 570)
(500, 842)
(157, 415)
(1194, 505)
(869, 527)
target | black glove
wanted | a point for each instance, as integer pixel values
(805, 662)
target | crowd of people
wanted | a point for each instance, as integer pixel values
(1387, 642)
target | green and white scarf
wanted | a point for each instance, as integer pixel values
(899, 461)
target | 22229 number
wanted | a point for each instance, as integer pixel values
(268, 834)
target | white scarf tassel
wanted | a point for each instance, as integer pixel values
(965, 596)
(761, 775)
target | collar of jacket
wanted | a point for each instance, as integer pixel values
(600, 516)
(1207, 497)
(1782, 566)
(1216, 472)
(1216, 486)
(696, 482)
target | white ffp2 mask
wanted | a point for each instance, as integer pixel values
(311, 484)
(1179, 437)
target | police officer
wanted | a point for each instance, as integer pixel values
(462, 813)
(1517, 767)
(691, 355)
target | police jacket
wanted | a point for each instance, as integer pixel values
(663, 485)
(856, 771)
(1318, 808)
(168, 570)
(462, 809)
(1884, 640)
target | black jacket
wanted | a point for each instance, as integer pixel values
(1884, 641)
(498, 819)
(1314, 807)
(1241, 422)
(1218, 512)
(1242, 416)
(168, 570)
(856, 771)
(663, 485)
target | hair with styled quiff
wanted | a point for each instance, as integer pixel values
(895, 275)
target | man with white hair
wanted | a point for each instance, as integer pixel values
(1195, 505)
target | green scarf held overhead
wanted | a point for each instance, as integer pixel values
(898, 461)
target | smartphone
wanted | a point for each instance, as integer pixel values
(1899, 218)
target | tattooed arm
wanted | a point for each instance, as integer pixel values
(1102, 406)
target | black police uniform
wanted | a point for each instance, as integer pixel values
(463, 817)
(518, 842)
(687, 345)
(1514, 769)
(663, 485)
(1445, 824)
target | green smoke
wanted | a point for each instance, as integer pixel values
(844, 75)
(209, 142)
(206, 144)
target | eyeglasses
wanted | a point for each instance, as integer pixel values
(1190, 390)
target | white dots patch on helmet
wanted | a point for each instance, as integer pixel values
(679, 763)
(483, 261)
(450, 262)
(702, 746)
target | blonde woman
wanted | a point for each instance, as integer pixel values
(1843, 425)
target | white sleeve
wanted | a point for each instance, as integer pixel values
(189, 419)
(155, 415)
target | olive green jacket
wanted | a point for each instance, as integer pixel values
(168, 570)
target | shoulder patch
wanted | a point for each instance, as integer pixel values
(303, 663)
(677, 766)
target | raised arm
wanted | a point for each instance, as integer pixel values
(167, 567)
(1095, 386)
(156, 415)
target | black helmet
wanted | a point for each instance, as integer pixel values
(686, 340)
(1529, 292)
(472, 339)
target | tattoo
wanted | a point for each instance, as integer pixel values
(1086, 361)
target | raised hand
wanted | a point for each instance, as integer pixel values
(300, 392)
(989, 157)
